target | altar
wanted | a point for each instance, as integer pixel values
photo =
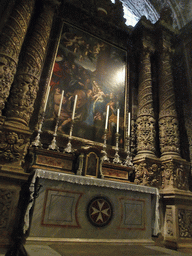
(73, 207)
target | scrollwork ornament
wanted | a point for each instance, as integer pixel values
(13, 147)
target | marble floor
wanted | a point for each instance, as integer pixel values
(95, 249)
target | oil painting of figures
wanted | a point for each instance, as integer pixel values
(95, 71)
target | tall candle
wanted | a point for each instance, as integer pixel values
(74, 107)
(46, 97)
(129, 124)
(61, 101)
(107, 117)
(118, 120)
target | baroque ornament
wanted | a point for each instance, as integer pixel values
(147, 174)
(13, 147)
(185, 223)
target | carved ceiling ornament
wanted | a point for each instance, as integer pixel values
(185, 223)
(148, 174)
(175, 175)
(11, 40)
(13, 147)
(26, 84)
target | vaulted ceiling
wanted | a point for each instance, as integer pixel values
(181, 10)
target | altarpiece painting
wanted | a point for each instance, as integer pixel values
(95, 71)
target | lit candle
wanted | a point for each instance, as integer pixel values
(74, 107)
(61, 101)
(129, 124)
(46, 97)
(118, 120)
(107, 117)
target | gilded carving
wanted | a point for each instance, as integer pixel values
(169, 221)
(13, 147)
(6, 198)
(10, 45)
(185, 223)
(147, 174)
(175, 175)
(26, 84)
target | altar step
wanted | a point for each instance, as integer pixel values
(97, 249)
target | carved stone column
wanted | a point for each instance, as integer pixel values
(26, 83)
(11, 40)
(145, 117)
(168, 121)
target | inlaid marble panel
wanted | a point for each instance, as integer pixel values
(133, 213)
(60, 208)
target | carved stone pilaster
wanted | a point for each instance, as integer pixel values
(168, 121)
(175, 174)
(145, 117)
(26, 84)
(11, 40)
(169, 222)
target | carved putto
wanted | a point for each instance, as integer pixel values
(175, 175)
(147, 174)
(12, 147)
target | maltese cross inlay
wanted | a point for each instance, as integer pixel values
(99, 211)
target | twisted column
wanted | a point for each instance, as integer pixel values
(26, 83)
(145, 118)
(11, 41)
(168, 121)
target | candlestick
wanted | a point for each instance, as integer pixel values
(46, 97)
(107, 117)
(104, 152)
(117, 159)
(129, 124)
(74, 107)
(118, 120)
(53, 145)
(61, 101)
(37, 142)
